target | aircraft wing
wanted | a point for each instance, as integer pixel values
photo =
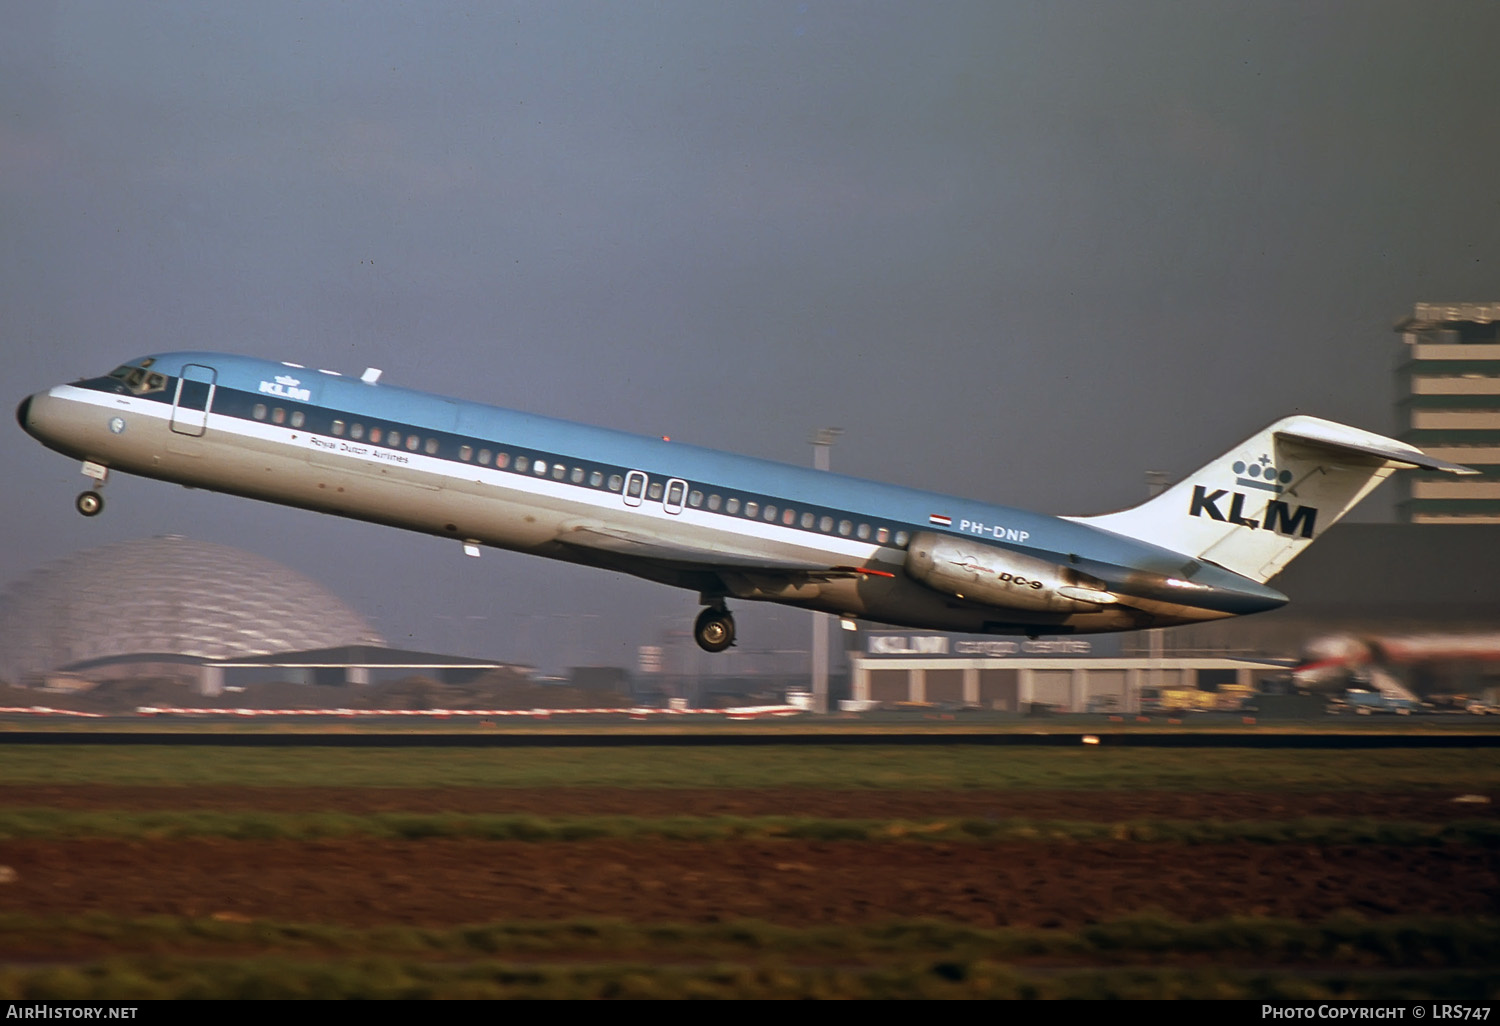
(608, 538)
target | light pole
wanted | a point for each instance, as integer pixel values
(1156, 483)
(822, 442)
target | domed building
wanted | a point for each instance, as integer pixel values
(162, 606)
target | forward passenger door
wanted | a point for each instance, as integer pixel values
(193, 399)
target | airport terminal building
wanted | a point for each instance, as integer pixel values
(1018, 674)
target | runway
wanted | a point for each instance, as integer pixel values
(789, 739)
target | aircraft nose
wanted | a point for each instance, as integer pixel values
(22, 412)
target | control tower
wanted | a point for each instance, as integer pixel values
(1448, 387)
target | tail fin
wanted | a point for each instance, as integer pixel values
(1254, 509)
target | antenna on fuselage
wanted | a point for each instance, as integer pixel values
(371, 375)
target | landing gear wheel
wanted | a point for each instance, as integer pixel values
(714, 630)
(89, 503)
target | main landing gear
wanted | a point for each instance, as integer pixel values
(714, 629)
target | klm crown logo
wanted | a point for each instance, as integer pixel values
(1261, 474)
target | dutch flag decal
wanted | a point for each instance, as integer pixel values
(940, 520)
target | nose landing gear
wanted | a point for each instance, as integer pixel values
(90, 503)
(714, 629)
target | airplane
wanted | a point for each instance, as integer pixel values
(723, 525)
(1400, 666)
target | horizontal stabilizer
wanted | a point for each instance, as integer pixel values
(1406, 455)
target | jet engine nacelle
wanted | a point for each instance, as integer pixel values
(999, 577)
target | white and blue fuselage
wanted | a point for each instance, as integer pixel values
(719, 524)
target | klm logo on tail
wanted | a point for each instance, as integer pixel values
(1278, 515)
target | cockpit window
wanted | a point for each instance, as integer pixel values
(138, 380)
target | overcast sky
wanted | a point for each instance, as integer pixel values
(1018, 251)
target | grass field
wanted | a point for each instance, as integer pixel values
(959, 767)
(148, 872)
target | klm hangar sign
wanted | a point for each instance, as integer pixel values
(910, 645)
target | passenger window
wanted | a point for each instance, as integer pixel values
(863, 532)
(392, 438)
(375, 435)
(523, 463)
(695, 499)
(338, 428)
(901, 539)
(278, 416)
(412, 441)
(484, 457)
(596, 479)
(713, 502)
(633, 488)
(298, 418)
(431, 447)
(502, 460)
(826, 524)
(577, 476)
(654, 492)
(356, 431)
(845, 527)
(788, 517)
(540, 469)
(259, 412)
(466, 453)
(615, 481)
(558, 470)
(807, 520)
(882, 536)
(732, 506)
(751, 508)
(770, 514)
